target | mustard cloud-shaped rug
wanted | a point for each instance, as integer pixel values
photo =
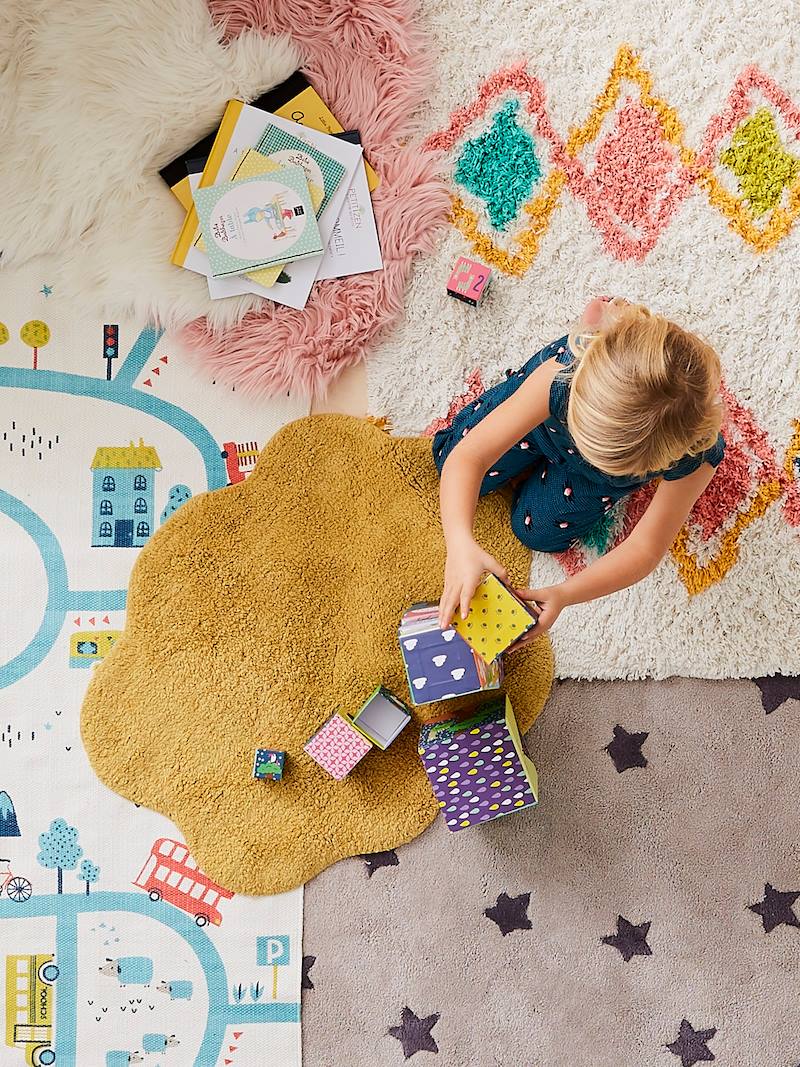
(254, 614)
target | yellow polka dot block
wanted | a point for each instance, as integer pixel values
(495, 620)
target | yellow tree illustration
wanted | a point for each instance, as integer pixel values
(3, 333)
(36, 334)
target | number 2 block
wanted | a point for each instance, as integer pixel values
(469, 281)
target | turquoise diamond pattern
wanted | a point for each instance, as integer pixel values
(501, 166)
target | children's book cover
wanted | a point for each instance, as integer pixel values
(257, 222)
(320, 169)
(354, 247)
(252, 165)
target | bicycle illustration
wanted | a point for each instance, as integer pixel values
(17, 888)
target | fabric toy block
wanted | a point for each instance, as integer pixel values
(496, 619)
(478, 768)
(337, 746)
(439, 663)
(381, 718)
(469, 281)
(268, 763)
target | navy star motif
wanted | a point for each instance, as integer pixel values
(629, 940)
(626, 749)
(776, 908)
(692, 1045)
(510, 913)
(376, 860)
(414, 1034)
(308, 963)
(776, 689)
(46, 290)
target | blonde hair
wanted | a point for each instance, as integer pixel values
(644, 393)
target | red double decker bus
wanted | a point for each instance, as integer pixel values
(239, 459)
(171, 874)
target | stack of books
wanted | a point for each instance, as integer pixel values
(275, 203)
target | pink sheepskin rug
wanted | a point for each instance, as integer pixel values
(368, 61)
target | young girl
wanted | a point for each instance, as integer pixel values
(626, 398)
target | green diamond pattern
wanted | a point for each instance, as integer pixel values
(500, 166)
(758, 159)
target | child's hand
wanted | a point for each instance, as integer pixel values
(600, 312)
(547, 603)
(466, 565)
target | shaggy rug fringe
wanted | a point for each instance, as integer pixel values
(567, 153)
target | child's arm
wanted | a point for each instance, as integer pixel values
(638, 555)
(462, 475)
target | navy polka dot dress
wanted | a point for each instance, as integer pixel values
(562, 496)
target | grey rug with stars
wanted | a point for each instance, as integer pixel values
(646, 915)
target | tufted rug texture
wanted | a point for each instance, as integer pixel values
(371, 62)
(67, 79)
(637, 150)
(254, 614)
(647, 917)
(94, 98)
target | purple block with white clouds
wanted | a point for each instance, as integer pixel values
(439, 664)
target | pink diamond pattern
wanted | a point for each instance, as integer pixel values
(337, 747)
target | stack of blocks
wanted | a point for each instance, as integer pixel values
(439, 663)
(477, 768)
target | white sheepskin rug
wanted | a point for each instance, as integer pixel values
(95, 97)
(650, 151)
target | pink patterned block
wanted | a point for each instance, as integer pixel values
(337, 747)
(469, 281)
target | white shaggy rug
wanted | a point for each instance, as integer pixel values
(668, 173)
(94, 99)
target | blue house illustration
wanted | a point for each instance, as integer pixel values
(122, 496)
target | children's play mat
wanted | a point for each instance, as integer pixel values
(88, 878)
(650, 151)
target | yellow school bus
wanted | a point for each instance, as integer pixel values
(90, 646)
(29, 1007)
